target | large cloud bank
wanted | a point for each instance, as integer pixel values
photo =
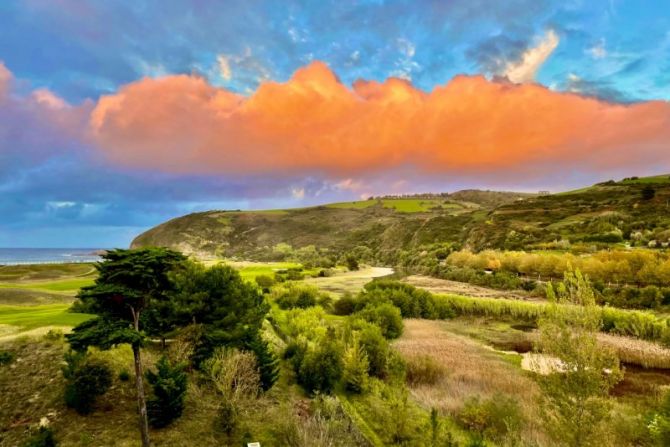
(314, 123)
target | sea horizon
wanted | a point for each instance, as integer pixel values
(48, 255)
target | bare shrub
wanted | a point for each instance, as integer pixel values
(234, 373)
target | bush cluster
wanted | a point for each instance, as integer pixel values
(44, 437)
(86, 380)
(6, 357)
(386, 316)
(498, 418)
(295, 295)
(321, 366)
(411, 301)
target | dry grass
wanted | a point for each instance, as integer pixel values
(471, 368)
(637, 352)
(445, 286)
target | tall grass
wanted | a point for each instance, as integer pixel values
(634, 323)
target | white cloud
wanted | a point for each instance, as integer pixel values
(525, 69)
(405, 65)
(243, 66)
(349, 184)
(406, 47)
(598, 51)
(224, 67)
(46, 98)
(298, 193)
(61, 205)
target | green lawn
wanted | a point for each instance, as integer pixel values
(249, 271)
(39, 272)
(400, 205)
(64, 285)
(648, 180)
(31, 317)
(353, 205)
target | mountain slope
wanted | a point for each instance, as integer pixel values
(633, 211)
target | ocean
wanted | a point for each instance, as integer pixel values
(14, 256)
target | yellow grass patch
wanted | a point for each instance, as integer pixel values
(472, 369)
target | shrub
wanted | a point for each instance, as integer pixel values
(234, 373)
(322, 365)
(659, 425)
(412, 302)
(54, 335)
(294, 295)
(497, 418)
(226, 420)
(423, 370)
(265, 282)
(295, 274)
(43, 438)
(396, 367)
(124, 375)
(346, 305)
(295, 354)
(169, 390)
(86, 380)
(6, 357)
(375, 346)
(325, 273)
(386, 316)
(352, 263)
(268, 365)
(356, 365)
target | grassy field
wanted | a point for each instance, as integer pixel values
(37, 272)
(351, 282)
(59, 285)
(31, 317)
(250, 270)
(399, 205)
(39, 296)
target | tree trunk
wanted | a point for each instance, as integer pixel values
(139, 385)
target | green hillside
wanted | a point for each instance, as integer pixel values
(632, 211)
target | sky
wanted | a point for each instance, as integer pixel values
(116, 116)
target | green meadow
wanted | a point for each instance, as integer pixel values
(32, 317)
(399, 205)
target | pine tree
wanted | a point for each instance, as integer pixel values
(128, 283)
(268, 364)
(169, 390)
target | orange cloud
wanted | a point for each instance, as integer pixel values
(5, 79)
(315, 123)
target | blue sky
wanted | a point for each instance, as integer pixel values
(58, 190)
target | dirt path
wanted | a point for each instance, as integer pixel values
(436, 285)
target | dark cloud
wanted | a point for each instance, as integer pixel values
(492, 55)
(601, 89)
